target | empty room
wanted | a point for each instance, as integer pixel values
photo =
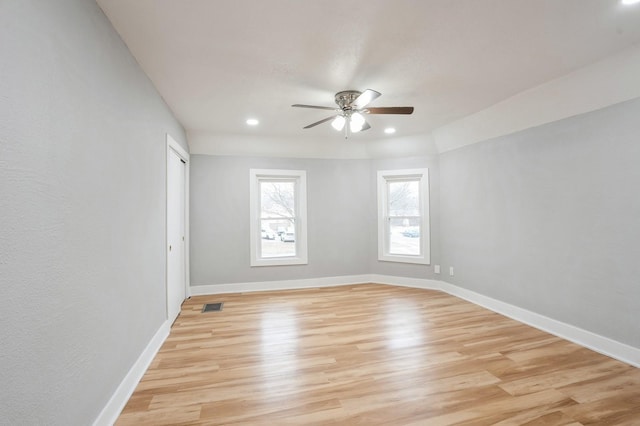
(291, 212)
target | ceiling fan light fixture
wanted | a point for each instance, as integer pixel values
(338, 122)
(356, 122)
(351, 111)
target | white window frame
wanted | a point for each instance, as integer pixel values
(299, 177)
(384, 177)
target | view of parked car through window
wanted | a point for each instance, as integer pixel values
(277, 217)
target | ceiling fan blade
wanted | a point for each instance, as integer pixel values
(390, 110)
(314, 107)
(319, 122)
(365, 97)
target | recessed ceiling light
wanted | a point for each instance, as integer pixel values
(628, 2)
(252, 122)
(389, 130)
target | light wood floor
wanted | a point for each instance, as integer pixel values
(373, 354)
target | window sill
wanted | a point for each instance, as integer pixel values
(420, 260)
(285, 261)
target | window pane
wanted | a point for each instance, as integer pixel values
(278, 217)
(277, 237)
(404, 236)
(277, 199)
(404, 198)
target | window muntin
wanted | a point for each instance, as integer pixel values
(278, 217)
(403, 216)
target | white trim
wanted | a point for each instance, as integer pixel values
(120, 397)
(422, 283)
(203, 290)
(588, 339)
(595, 342)
(300, 178)
(384, 177)
(184, 155)
(171, 142)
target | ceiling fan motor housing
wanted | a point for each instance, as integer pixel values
(345, 98)
(353, 104)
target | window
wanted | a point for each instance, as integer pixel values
(278, 217)
(403, 216)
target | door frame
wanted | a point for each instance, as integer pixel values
(174, 146)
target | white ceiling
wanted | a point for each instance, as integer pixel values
(217, 63)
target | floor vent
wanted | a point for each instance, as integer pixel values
(212, 307)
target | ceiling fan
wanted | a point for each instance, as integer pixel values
(352, 109)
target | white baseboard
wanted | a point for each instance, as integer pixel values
(203, 290)
(423, 283)
(601, 344)
(595, 342)
(112, 410)
(598, 343)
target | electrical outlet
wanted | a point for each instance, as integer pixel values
(436, 269)
(451, 270)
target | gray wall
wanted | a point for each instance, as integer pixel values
(342, 229)
(407, 269)
(82, 202)
(547, 219)
(338, 204)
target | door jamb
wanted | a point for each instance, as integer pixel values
(174, 146)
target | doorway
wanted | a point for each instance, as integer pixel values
(177, 227)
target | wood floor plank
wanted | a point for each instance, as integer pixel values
(373, 355)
